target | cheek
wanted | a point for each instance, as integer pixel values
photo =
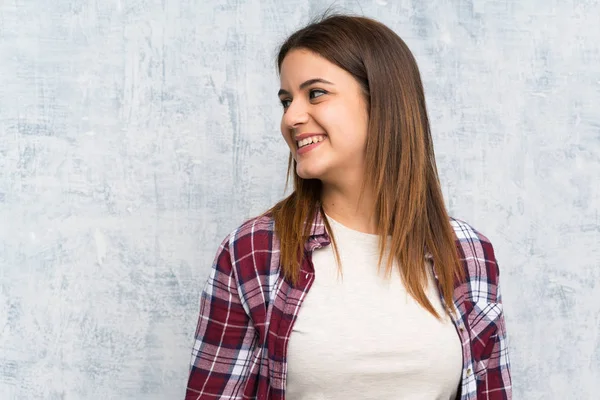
(285, 133)
(282, 128)
(348, 124)
(360, 123)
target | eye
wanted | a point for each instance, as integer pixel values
(314, 93)
(285, 103)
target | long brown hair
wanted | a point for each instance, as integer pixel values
(400, 158)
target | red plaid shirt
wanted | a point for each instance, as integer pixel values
(247, 311)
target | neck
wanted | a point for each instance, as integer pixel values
(345, 205)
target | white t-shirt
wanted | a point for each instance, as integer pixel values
(362, 336)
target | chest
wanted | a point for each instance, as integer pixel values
(471, 322)
(362, 334)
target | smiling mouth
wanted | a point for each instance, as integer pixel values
(309, 140)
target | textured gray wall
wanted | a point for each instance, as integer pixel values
(134, 134)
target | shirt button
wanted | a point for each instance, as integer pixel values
(469, 372)
(461, 328)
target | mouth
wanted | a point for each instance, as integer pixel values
(306, 140)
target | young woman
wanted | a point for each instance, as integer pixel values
(358, 285)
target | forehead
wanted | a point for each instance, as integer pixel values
(300, 65)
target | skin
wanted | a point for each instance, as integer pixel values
(320, 98)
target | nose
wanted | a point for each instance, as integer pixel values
(295, 115)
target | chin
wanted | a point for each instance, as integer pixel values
(304, 175)
(308, 173)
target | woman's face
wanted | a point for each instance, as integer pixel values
(325, 118)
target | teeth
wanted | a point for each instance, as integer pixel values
(310, 140)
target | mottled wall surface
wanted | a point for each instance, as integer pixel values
(135, 134)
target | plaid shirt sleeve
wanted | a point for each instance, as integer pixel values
(497, 385)
(490, 341)
(225, 337)
(486, 374)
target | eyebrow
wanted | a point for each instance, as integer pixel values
(304, 85)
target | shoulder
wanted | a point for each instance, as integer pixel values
(251, 247)
(466, 232)
(253, 234)
(476, 253)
